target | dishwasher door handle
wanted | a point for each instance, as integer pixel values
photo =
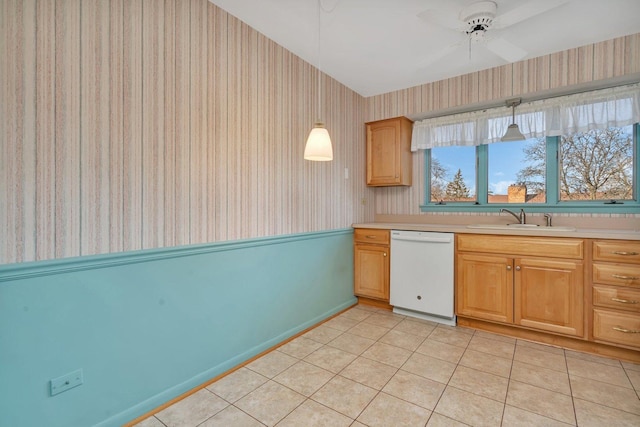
(423, 239)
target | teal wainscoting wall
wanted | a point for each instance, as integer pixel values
(147, 326)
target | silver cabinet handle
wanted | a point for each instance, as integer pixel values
(385, 254)
(625, 253)
(517, 268)
(620, 276)
(626, 331)
(624, 301)
(508, 268)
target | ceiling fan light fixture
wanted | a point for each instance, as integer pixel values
(477, 35)
(478, 18)
(513, 132)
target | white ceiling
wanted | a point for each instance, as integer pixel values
(378, 46)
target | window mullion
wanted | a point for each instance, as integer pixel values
(553, 170)
(636, 163)
(482, 174)
(427, 176)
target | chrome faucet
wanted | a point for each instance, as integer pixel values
(522, 218)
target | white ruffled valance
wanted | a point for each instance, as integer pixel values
(619, 106)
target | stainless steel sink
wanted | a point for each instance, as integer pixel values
(531, 227)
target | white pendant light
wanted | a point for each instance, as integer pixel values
(513, 133)
(318, 146)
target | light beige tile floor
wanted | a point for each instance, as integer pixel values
(370, 367)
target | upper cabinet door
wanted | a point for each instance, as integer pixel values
(389, 160)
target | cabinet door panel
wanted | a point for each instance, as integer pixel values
(371, 271)
(383, 154)
(549, 295)
(389, 157)
(484, 287)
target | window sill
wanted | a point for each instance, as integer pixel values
(568, 207)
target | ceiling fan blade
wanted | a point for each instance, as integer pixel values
(430, 60)
(506, 50)
(526, 11)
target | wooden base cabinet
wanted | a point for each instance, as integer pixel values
(485, 287)
(371, 263)
(536, 292)
(548, 295)
(616, 292)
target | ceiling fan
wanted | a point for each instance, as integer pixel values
(476, 20)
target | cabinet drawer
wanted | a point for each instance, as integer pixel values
(616, 327)
(616, 251)
(619, 298)
(371, 235)
(548, 247)
(617, 274)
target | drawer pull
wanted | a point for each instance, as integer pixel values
(626, 331)
(620, 276)
(625, 253)
(370, 236)
(624, 301)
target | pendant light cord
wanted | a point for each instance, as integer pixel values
(320, 10)
(328, 10)
(319, 114)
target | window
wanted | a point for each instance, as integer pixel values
(453, 174)
(517, 172)
(582, 155)
(597, 165)
(592, 171)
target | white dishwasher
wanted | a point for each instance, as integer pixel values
(422, 275)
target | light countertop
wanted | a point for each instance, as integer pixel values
(580, 233)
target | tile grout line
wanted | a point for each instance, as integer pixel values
(472, 334)
(573, 401)
(447, 384)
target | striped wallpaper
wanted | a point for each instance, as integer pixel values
(145, 124)
(587, 65)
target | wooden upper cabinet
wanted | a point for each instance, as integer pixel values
(389, 159)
